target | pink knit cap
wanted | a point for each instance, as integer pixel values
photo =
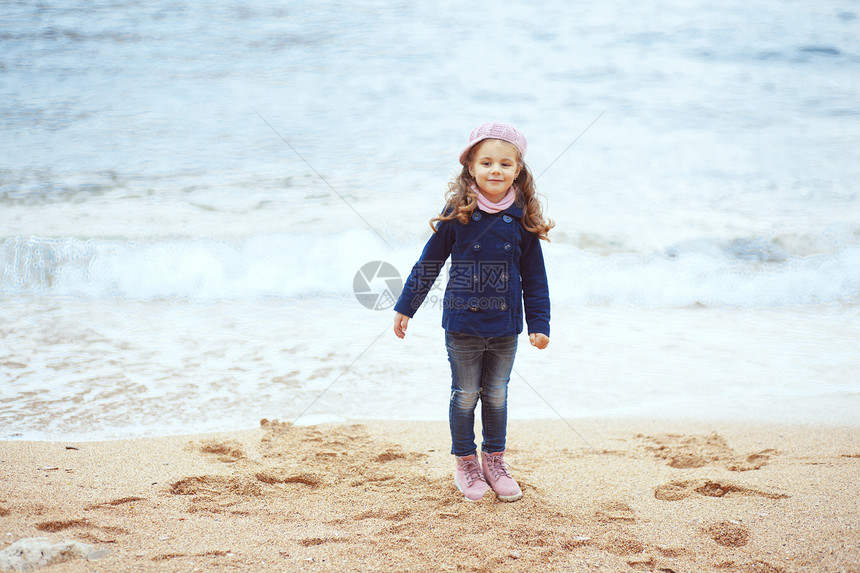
(495, 130)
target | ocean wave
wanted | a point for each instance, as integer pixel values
(736, 273)
(260, 266)
(776, 248)
(706, 279)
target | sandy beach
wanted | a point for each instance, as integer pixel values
(600, 495)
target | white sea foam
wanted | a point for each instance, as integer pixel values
(83, 369)
(287, 265)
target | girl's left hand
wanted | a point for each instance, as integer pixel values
(539, 340)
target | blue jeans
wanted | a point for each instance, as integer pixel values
(480, 369)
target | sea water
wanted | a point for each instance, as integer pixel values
(190, 194)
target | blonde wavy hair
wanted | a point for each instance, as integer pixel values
(461, 200)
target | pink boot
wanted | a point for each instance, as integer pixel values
(496, 474)
(469, 479)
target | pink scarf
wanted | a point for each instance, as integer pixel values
(489, 207)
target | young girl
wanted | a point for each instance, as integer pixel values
(490, 227)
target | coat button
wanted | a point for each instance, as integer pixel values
(503, 306)
(476, 216)
(508, 246)
(475, 278)
(507, 218)
(476, 247)
(503, 276)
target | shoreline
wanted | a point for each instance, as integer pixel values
(641, 494)
(835, 410)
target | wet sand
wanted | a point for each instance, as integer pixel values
(600, 495)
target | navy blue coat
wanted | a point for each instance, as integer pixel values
(496, 266)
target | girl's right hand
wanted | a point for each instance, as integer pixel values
(538, 340)
(400, 322)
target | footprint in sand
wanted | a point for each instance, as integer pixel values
(272, 477)
(85, 524)
(686, 452)
(130, 501)
(619, 516)
(728, 533)
(227, 452)
(217, 494)
(390, 455)
(615, 511)
(681, 489)
(215, 486)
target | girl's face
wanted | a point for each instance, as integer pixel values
(494, 168)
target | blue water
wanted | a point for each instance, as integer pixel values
(693, 155)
